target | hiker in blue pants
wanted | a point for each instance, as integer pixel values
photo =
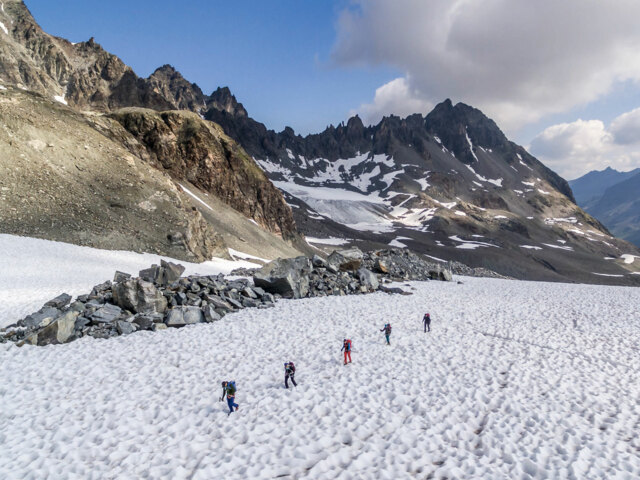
(229, 389)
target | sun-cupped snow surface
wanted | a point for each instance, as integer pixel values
(516, 380)
(33, 271)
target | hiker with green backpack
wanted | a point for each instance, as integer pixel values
(229, 389)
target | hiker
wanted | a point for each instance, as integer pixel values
(346, 346)
(289, 373)
(229, 389)
(387, 332)
(426, 320)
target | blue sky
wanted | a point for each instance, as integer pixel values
(562, 79)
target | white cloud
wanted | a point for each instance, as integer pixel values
(395, 97)
(626, 128)
(517, 60)
(573, 149)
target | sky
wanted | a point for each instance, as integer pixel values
(560, 78)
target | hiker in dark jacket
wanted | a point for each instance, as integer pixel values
(387, 332)
(426, 320)
(229, 389)
(289, 373)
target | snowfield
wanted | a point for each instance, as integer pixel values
(33, 271)
(516, 380)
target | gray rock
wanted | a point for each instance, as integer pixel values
(181, 316)
(235, 303)
(103, 287)
(121, 277)
(395, 290)
(106, 314)
(61, 330)
(368, 279)
(153, 274)
(172, 272)
(193, 315)
(318, 261)
(144, 322)
(124, 327)
(81, 322)
(248, 292)
(288, 277)
(346, 260)
(139, 296)
(41, 318)
(381, 266)
(250, 303)
(59, 302)
(181, 298)
(446, 275)
(210, 314)
(259, 291)
(77, 306)
(218, 303)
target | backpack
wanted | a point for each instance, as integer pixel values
(231, 388)
(348, 346)
(387, 329)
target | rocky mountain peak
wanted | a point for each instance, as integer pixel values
(462, 128)
(170, 83)
(222, 99)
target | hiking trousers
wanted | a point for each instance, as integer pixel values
(387, 337)
(231, 404)
(286, 381)
(347, 354)
(427, 327)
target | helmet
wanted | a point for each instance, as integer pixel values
(224, 384)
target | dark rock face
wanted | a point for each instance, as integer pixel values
(193, 150)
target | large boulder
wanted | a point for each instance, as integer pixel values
(139, 296)
(61, 330)
(165, 274)
(171, 273)
(346, 260)
(181, 316)
(368, 279)
(288, 277)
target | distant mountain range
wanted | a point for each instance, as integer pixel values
(93, 154)
(612, 197)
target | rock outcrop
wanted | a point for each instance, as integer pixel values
(188, 148)
(159, 298)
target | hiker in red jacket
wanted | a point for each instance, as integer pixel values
(346, 346)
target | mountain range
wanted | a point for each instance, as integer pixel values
(94, 154)
(613, 197)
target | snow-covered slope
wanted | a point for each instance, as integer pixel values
(35, 271)
(516, 380)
